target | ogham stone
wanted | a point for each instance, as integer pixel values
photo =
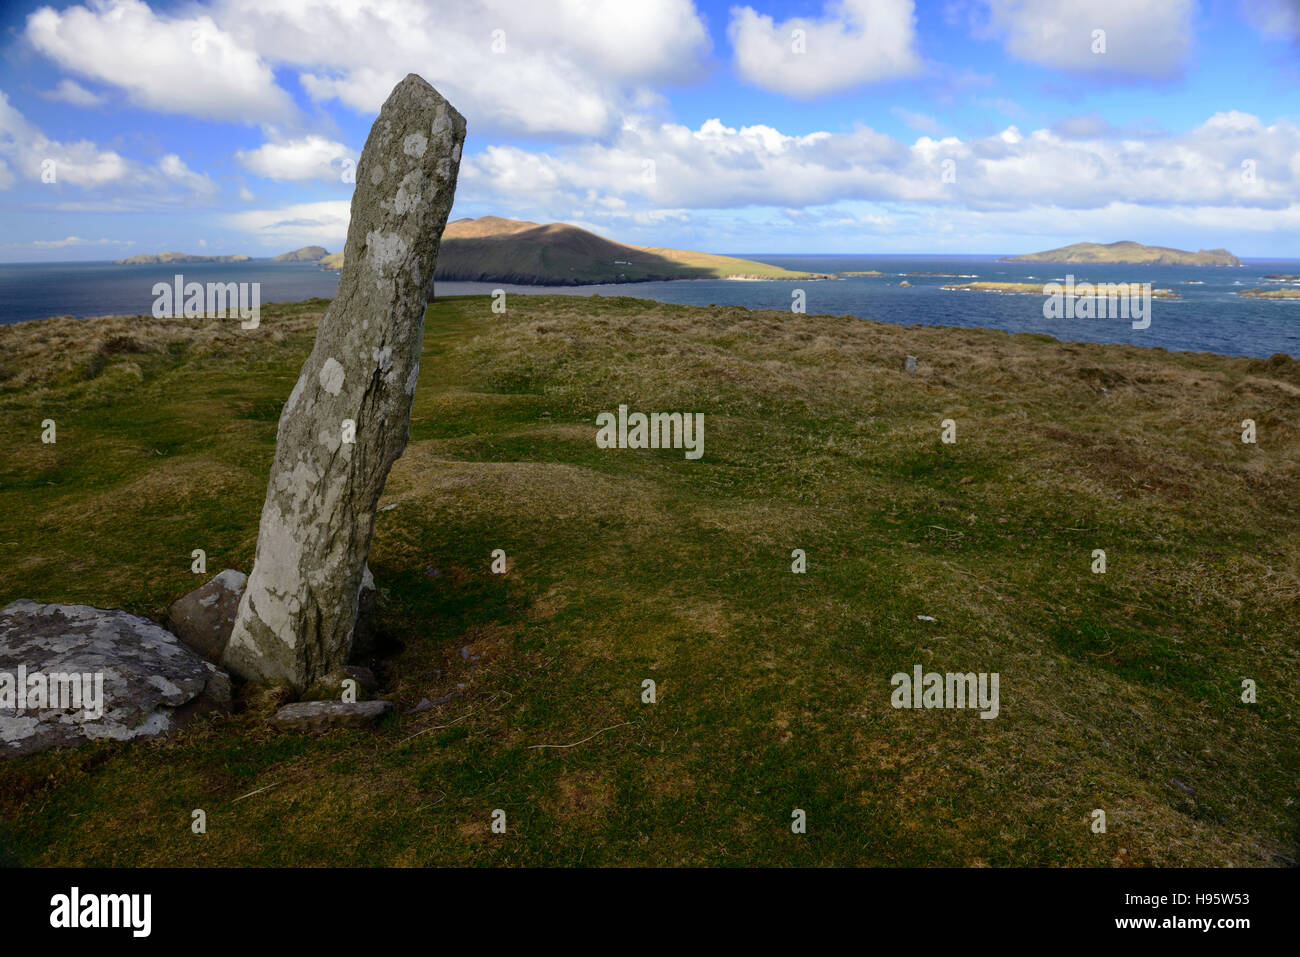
(297, 613)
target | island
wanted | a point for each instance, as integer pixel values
(1036, 288)
(154, 259)
(493, 249)
(308, 254)
(1269, 293)
(1130, 253)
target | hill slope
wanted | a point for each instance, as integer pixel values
(1118, 691)
(152, 259)
(307, 254)
(1128, 252)
(492, 249)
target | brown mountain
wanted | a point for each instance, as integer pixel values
(492, 249)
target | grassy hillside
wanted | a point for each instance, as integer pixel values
(491, 249)
(1129, 252)
(1118, 691)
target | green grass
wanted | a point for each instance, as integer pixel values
(773, 688)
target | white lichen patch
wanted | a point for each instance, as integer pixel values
(294, 396)
(331, 376)
(376, 174)
(383, 358)
(387, 251)
(231, 580)
(413, 378)
(415, 145)
(168, 688)
(408, 194)
(272, 592)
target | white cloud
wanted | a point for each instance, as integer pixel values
(1143, 40)
(31, 151)
(718, 167)
(75, 241)
(70, 91)
(173, 65)
(324, 223)
(121, 182)
(1274, 18)
(175, 170)
(310, 157)
(854, 42)
(567, 67)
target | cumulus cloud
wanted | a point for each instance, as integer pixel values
(1231, 174)
(1148, 40)
(324, 223)
(1232, 160)
(852, 43)
(565, 67)
(1274, 18)
(310, 157)
(70, 91)
(173, 65)
(47, 162)
(31, 153)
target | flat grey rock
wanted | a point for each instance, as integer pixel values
(91, 674)
(323, 715)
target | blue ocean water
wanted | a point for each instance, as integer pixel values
(1207, 318)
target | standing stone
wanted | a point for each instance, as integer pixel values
(296, 616)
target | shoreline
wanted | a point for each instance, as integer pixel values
(321, 303)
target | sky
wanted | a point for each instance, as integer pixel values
(848, 126)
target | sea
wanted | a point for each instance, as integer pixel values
(1208, 316)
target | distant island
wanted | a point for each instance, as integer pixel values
(308, 254)
(154, 259)
(1036, 288)
(1128, 253)
(1270, 293)
(493, 249)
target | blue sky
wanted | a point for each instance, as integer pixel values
(855, 126)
